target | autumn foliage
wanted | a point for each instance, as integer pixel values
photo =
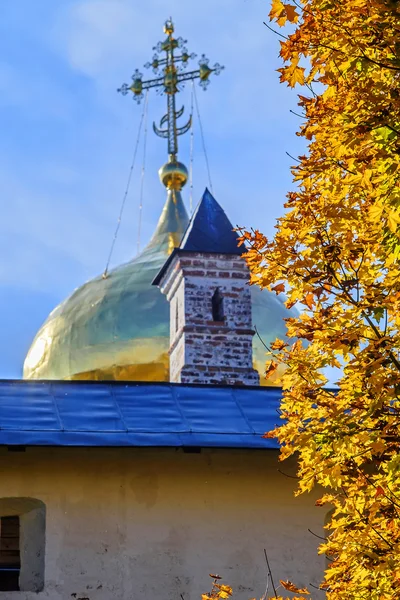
(336, 256)
(225, 592)
(218, 590)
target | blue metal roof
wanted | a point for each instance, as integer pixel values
(64, 413)
(210, 230)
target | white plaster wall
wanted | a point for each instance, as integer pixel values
(32, 548)
(153, 523)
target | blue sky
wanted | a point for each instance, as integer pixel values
(67, 138)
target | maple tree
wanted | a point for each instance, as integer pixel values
(336, 256)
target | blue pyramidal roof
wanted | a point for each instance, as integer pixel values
(210, 230)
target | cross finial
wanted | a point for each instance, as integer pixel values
(169, 26)
(170, 81)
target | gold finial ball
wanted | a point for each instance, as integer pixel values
(173, 175)
(169, 27)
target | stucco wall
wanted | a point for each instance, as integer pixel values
(153, 523)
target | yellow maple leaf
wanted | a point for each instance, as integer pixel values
(393, 220)
(293, 73)
(375, 212)
(277, 9)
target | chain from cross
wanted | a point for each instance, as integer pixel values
(170, 82)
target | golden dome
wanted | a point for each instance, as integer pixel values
(117, 328)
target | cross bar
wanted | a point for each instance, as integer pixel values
(170, 82)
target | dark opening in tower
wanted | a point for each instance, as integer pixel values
(217, 303)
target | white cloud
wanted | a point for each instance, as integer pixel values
(107, 39)
(102, 35)
(94, 34)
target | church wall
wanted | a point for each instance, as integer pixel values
(153, 523)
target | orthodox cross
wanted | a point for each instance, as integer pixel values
(170, 82)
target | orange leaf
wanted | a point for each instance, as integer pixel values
(290, 303)
(278, 344)
(309, 300)
(270, 369)
(278, 288)
(288, 585)
(291, 13)
(379, 491)
(270, 435)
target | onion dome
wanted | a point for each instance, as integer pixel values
(117, 328)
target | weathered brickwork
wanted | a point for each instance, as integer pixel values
(204, 350)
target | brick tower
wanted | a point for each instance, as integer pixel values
(205, 281)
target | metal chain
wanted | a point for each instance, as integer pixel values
(191, 153)
(202, 141)
(143, 172)
(105, 274)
